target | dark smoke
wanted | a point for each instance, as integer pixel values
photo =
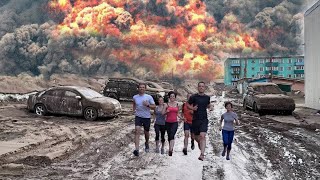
(26, 44)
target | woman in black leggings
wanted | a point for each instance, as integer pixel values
(160, 125)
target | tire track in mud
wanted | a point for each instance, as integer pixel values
(127, 166)
(292, 150)
(272, 150)
(247, 161)
(78, 139)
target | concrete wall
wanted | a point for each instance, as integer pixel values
(297, 86)
(312, 56)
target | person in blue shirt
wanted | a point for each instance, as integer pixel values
(142, 103)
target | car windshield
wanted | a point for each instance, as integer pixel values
(89, 93)
(270, 89)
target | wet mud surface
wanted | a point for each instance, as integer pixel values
(60, 147)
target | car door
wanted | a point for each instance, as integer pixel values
(250, 96)
(51, 99)
(124, 90)
(133, 89)
(71, 103)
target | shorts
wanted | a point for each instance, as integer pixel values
(187, 127)
(145, 122)
(200, 126)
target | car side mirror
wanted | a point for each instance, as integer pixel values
(78, 97)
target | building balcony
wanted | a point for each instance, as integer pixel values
(235, 72)
(274, 72)
(298, 71)
(235, 65)
(299, 63)
(234, 79)
(273, 64)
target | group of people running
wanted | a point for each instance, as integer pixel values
(167, 116)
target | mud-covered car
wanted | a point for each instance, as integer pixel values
(262, 97)
(126, 88)
(75, 101)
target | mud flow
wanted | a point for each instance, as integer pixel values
(61, 147)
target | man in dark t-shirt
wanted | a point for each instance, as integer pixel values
(199, 103)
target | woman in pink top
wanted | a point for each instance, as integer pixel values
(172, 113)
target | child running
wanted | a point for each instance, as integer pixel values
(229, 118)
(187, 127)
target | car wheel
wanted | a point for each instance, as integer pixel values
(90, 114)
(288, 112)
(255, 107)
(40, 109)
(113, 95)
(245, 107)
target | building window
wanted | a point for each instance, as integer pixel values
(236, 62)
(261, 61)
(281, 69)
(290, 61)
(289, 68)
(299, 60)
(281, 75)
(252, 76)
(283, 61)
(299, 67)
(299, 76)
(252, 61)
(289, 76)
(275, 68)
(261, 68)
(252, 68)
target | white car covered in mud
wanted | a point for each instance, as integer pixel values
(262, 97)
(73, 100)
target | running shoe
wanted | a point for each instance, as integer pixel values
(192, 144)
(136, 152)
(223, 153)
(185, 151)
(146, 147)
(162, 151)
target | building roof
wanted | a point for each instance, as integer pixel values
(264, 57)
(312, 8)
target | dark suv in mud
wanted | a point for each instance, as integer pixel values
(262, 97)
(126, 88)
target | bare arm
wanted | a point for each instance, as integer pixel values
(220, 127)
(152, 106)
(134, 106)
(210, 107)
(154, 115)
(164, 109)
(237, 121)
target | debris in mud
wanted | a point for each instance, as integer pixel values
(36, 161)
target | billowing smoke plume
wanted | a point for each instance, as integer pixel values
(187, 38)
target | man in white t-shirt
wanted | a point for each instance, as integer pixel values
(142, 103)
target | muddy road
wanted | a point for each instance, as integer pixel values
(60, 147)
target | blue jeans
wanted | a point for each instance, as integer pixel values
(227, 137)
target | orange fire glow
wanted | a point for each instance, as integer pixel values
(183, 39)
